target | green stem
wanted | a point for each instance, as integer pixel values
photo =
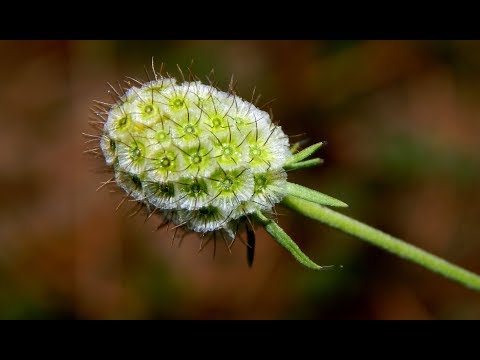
(382, 240)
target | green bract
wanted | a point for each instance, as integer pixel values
(205, 155)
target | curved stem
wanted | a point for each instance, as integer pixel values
(382, 240)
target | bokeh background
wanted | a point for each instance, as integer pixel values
(402, 123)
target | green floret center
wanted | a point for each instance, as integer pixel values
(150, 111)
(123, 122)
(240, 121)
(205, 211)
(196, 159)
(112, 145)
(177, 103)
(255, 152)
(137, 182)
(165, 189)
(165, 162)
(189, 129)
(196, 188)
(157, 88)
(136, 152)
(260, 182)
(216, 122)
(162, 136)
(227, 183)
(227, 150)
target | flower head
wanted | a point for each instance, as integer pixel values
(204, 157)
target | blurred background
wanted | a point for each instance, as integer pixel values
(402, 123)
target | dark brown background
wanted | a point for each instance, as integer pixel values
(402, 122)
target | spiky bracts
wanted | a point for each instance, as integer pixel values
(203, 158)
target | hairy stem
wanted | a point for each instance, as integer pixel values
(382, 240)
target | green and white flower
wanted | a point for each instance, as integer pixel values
(207, 154)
